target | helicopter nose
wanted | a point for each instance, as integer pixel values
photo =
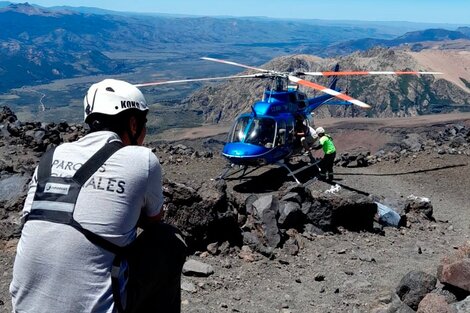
(243, 149)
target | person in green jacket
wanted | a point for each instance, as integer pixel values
(326, 164)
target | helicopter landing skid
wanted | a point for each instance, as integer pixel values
(303, 168)
(227, 172)
(244, 168)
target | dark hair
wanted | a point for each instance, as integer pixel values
(118, 123)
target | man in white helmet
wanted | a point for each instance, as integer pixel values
(329, 150)
(84, 203)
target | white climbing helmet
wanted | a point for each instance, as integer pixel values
(320, 130)
(313, 133)
(111, 97)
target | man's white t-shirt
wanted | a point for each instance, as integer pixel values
(56, 268)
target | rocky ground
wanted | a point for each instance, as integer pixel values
(269, 245)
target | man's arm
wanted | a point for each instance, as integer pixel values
(152, 211)
(145, 221)
(154, 219)
(30, 196)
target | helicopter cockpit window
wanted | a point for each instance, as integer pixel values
(257, 131)
(262, 132)
(239, 130)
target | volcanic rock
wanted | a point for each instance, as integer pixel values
(434, 303)
(462, 306)
(414, 286)
(196, 268)
(454, 269)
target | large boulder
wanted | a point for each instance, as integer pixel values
(328, 211)
(434, 303)
(202, 215)
(12, 196)
(419, 206)
(266, 210)
(290, 215)
(414, 286)
(7, 115)
(13, 187)
(412, 142)
(462, 306)
(454, 269)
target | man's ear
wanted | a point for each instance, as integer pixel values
(133, 125)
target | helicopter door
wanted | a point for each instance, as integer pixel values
(290, 132)
(281, 133)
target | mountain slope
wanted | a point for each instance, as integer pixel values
(389, 95)
(38, 45)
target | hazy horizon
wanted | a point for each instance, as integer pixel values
(419, 11)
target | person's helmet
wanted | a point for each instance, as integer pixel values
(111, 97)
(320, 130)
(313, 133)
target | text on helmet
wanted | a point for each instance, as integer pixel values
(130, 104)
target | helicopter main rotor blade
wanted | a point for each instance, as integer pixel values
(353, 73)
(165, 82)
(236, 64)
(329, 91)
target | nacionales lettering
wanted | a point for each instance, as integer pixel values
(129, 104)
(106, 184)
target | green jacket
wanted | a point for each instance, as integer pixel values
(327, 144)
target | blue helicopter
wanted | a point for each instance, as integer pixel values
(267, 134)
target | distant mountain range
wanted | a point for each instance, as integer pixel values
(411, 38)
(38, 44)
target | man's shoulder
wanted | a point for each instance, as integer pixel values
(137, 151)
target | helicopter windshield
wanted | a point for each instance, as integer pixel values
(257, 131)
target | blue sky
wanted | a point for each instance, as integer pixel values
(437, 11)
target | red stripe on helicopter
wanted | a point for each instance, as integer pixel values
(329, 91)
